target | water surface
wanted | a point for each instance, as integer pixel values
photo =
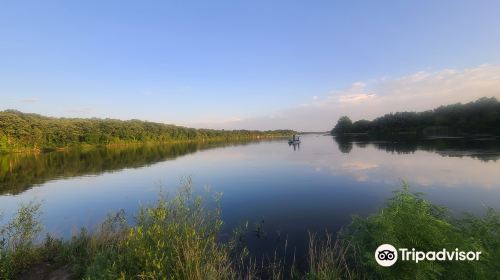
(287, 190)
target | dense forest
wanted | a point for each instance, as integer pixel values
(21, 132)
(479, 117)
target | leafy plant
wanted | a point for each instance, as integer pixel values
(409, 221)
(17, 239)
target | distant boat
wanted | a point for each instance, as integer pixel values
(295, 140)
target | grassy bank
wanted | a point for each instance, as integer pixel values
(179, 238)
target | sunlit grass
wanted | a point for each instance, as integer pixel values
(409, 221)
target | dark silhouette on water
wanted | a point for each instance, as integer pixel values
(344, 144)
(295, 141)
(20, 172)
(484, 149)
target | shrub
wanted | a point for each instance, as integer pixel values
(16, 241)
(408, 221)
(172, 239)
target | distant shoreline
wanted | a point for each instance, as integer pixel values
(22, 132)
(481, 118)
(138, 144)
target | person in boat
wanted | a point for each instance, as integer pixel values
(294, 138)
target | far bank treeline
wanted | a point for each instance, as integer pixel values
(479, 117)
(32, 132)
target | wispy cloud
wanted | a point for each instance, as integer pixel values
(358, 165)
(29, 100)
(419, 91)
(356, 94)
(355, 98)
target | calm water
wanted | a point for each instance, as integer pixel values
(314, 187)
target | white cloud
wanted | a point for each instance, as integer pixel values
(366, 100)
(355, 98)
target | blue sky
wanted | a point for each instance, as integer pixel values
(242, 64)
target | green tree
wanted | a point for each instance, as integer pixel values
(23, 132)
(479, 117)
(344, 125)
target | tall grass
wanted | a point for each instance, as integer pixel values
(409, 221)
(172, 239)
(179, 238)
(328, 258)
(17, 240)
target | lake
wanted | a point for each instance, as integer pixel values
(283, 190)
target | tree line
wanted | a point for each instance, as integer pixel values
(478, 117)
(25, 131)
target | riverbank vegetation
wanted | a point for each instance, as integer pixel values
(179, 238)
(409, 221)
(479, 117)
(32, 132)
